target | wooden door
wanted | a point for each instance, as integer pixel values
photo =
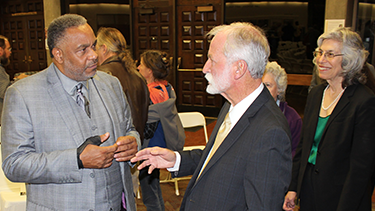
(23, 24)
(153, 28)
(178, 27)
(194, 20)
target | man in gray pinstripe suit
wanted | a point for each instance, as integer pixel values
(52, 144)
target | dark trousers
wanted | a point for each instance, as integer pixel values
(151, 191)
(307, 200)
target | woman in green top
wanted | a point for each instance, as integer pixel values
(335, 159)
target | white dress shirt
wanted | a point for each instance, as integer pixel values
(235, 113)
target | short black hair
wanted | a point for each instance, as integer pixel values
(58, 27)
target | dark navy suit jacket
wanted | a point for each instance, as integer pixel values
(251, 169)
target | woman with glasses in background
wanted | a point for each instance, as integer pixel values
(335, 159)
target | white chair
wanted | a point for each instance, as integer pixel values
(189, 120)
(194, 119)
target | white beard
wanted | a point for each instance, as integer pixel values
(218, 85)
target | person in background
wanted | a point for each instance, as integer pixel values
(5, 52)
(115, 59)
(247, 162)
(164, 127)
(369, 71)
(335, 159)
(55, 120)
(275, 79)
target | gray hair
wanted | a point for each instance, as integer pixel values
(280, 76)
(116, 43)
(245, 42)
(354, 57)
(58, 27)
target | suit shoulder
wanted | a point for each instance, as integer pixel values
(272, 115)
(361, 95)
(36, 80)
(364, 91)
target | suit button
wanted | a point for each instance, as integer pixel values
(316, 171)
(92, 175)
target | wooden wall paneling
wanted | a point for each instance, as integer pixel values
(154, 29)
(192, 48)
(176, 26)
(23, 24)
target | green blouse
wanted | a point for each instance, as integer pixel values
(322, 122)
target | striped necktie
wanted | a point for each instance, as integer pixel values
(82, 101)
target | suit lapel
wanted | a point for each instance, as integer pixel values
(315, 110)
(242, 124)
(56, 91)
(98, 85)
(344, 100)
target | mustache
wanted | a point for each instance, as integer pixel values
(94, 61)
(208, 77)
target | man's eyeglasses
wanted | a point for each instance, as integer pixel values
(10, 49)
(328, 55)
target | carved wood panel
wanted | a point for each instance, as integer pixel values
(153, 29)
(179, 27)
(192, 47)
(23, 24)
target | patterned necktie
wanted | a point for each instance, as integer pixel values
(82, 101)
(221, 135)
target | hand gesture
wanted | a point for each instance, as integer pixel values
(97, 157)
(127, 147)
(155, 157)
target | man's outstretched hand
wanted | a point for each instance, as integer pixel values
(155, 157)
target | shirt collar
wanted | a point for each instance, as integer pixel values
(236, 112)
(70, 84)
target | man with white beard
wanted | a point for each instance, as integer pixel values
(247, 162)
(5, 52)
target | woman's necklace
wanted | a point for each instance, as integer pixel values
(333, 102)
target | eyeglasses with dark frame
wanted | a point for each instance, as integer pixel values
(327, 55)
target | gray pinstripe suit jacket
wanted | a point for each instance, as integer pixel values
(40, 135)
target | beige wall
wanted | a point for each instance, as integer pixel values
(271, 11)
(90, 11)
(52, 10)
(340, 9)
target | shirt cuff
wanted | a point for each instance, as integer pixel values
(176, 166)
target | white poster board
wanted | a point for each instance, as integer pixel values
(333, 23)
